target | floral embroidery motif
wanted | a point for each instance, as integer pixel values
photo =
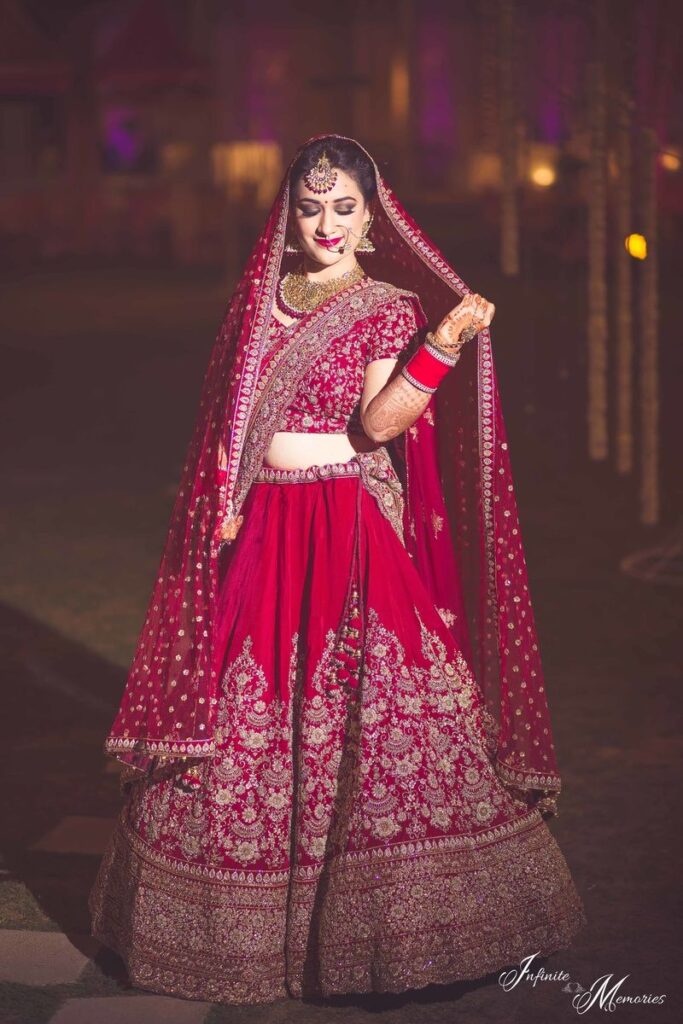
(424, 723)
(437, 523)
(406, 721)
(327, 399)
(380, 479)
(241, 810)
(282, 376)
(447, 616)
(219, 893)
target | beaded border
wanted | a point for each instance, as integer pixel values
(144, 745)
(274, 475)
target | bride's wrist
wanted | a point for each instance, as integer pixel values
(454, 348)
(429, 365)
(441, 349)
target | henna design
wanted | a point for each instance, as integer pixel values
(450, 336)
(393, 409)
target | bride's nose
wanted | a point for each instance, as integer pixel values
(326, 222)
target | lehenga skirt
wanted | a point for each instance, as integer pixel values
(350, 834)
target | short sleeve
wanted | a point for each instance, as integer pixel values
(393, 327)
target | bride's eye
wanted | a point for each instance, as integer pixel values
(313, 212)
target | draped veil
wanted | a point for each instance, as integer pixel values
(468, 549)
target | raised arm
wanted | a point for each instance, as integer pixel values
(391, 404)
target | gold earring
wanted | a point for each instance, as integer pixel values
(365, 245)
(293, 246)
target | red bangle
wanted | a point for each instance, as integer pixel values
(424, 370)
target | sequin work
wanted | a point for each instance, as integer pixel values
(351, 833)
(327, 399)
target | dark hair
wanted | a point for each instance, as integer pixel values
(345, 155)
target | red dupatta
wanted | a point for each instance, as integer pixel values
(469, 552)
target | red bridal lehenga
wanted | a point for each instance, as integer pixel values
(335, 730)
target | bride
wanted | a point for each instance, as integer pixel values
(338, 756)
(329, 226)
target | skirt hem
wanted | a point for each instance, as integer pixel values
(140, 974)
(434, 919)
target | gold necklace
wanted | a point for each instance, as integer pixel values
(296, 295)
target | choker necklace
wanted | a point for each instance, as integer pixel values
(296, 295)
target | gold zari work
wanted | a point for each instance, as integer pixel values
(398, 918)
(393, 885)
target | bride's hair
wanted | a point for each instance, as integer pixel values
(344, 155)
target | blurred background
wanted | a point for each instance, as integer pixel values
(147, 129)
(542, 141)
(540, 145)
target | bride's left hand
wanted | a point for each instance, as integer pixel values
(465, 320)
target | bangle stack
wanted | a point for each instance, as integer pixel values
(430, 364)
(433, 346)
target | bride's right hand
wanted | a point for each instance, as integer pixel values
(470, 316)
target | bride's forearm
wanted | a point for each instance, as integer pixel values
(393, 409)
(404, 398)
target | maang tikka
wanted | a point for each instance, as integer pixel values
(319, 179)
(322, 175)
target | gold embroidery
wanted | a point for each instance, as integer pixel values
(379, 477)
(280, 378)
(437, 523)
(412, 863)
(447, 616)
(272, 474)
(375, 470)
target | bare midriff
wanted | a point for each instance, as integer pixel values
(292, 450)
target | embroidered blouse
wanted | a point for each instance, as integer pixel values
(328, 398)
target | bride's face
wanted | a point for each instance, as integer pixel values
(329, 224)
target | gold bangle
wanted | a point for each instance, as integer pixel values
(455, 351)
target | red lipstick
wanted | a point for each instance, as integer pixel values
(329, 243)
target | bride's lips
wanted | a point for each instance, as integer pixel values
(329, 243)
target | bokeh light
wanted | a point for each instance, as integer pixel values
(636, 246)
(543, 175)
(670, 161)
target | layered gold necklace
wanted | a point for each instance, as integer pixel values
(296, 295)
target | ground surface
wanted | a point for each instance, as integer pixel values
(104, 368)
